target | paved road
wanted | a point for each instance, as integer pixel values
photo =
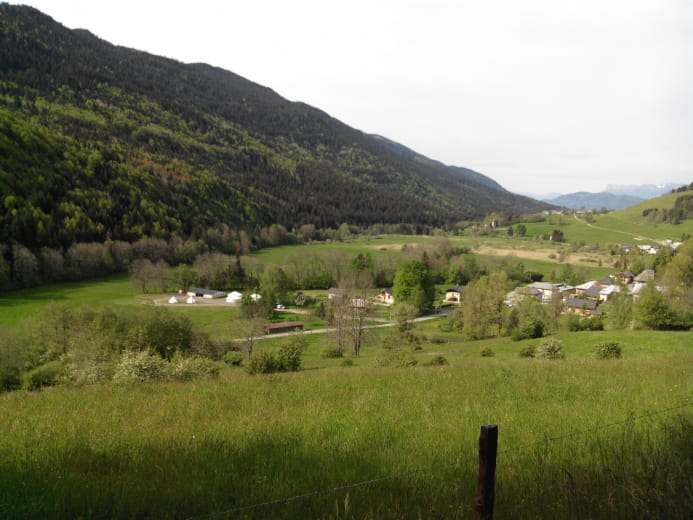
(327, 330)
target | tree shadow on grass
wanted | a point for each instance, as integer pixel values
(188, 478)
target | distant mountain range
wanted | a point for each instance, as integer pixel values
(103, 142)
(613, 198)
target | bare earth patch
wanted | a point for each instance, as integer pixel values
(388, 247)
(533, 254)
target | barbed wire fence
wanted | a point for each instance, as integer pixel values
(437, 467)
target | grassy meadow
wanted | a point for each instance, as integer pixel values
(579, 437)
(193, 449)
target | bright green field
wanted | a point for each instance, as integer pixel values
(374, 245)
(25, 303)
(183, 450)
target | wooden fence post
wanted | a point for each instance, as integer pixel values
(488, 447)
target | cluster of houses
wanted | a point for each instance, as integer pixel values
(584, 299)
(649, 249)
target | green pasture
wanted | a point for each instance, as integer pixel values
(175, 451)
(26, 303)
(375, 245)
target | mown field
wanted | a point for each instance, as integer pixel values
(197, 449)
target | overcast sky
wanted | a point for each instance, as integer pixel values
(541, 95)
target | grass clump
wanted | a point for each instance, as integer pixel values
(487, 352)
(608, 350)
(332, 353)
(528, 351)
(550, 349)
(437, 361)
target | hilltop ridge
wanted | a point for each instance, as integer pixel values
(101, 141)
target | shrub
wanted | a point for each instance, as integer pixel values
(10, 379)
(289, 358)
(576, 323)
(395, 358)
(44, 375)
(594, 323)
(86, 371)
(528, 351)
(302, 299)
(234, 358)
(534, 328)
(262, 362)
(608, 350)
(347, 362)
(550, 349)
(189, 368)
(139, 367)
(437, 339)
(487, 352)
(437, 361)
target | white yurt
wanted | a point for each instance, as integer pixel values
(173, 299)
(234, 297)
(190, 300)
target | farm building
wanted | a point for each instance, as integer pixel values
(234, 297)
(334, 292)
(284, 326)
(206, 293)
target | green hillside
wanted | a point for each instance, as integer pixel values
(102, 142)
(669, 217)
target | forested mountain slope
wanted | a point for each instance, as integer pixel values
(99, 141)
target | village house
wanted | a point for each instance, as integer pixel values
(453, 295)
(584, 287)
(624, 277)
(645, 276)
(594, 292)
(580, 306)
(520, 293)
(607, 292)
(548, 289)
(386, 296)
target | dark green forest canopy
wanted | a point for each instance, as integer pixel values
(99, 141)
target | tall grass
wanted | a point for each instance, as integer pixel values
(181, 450)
